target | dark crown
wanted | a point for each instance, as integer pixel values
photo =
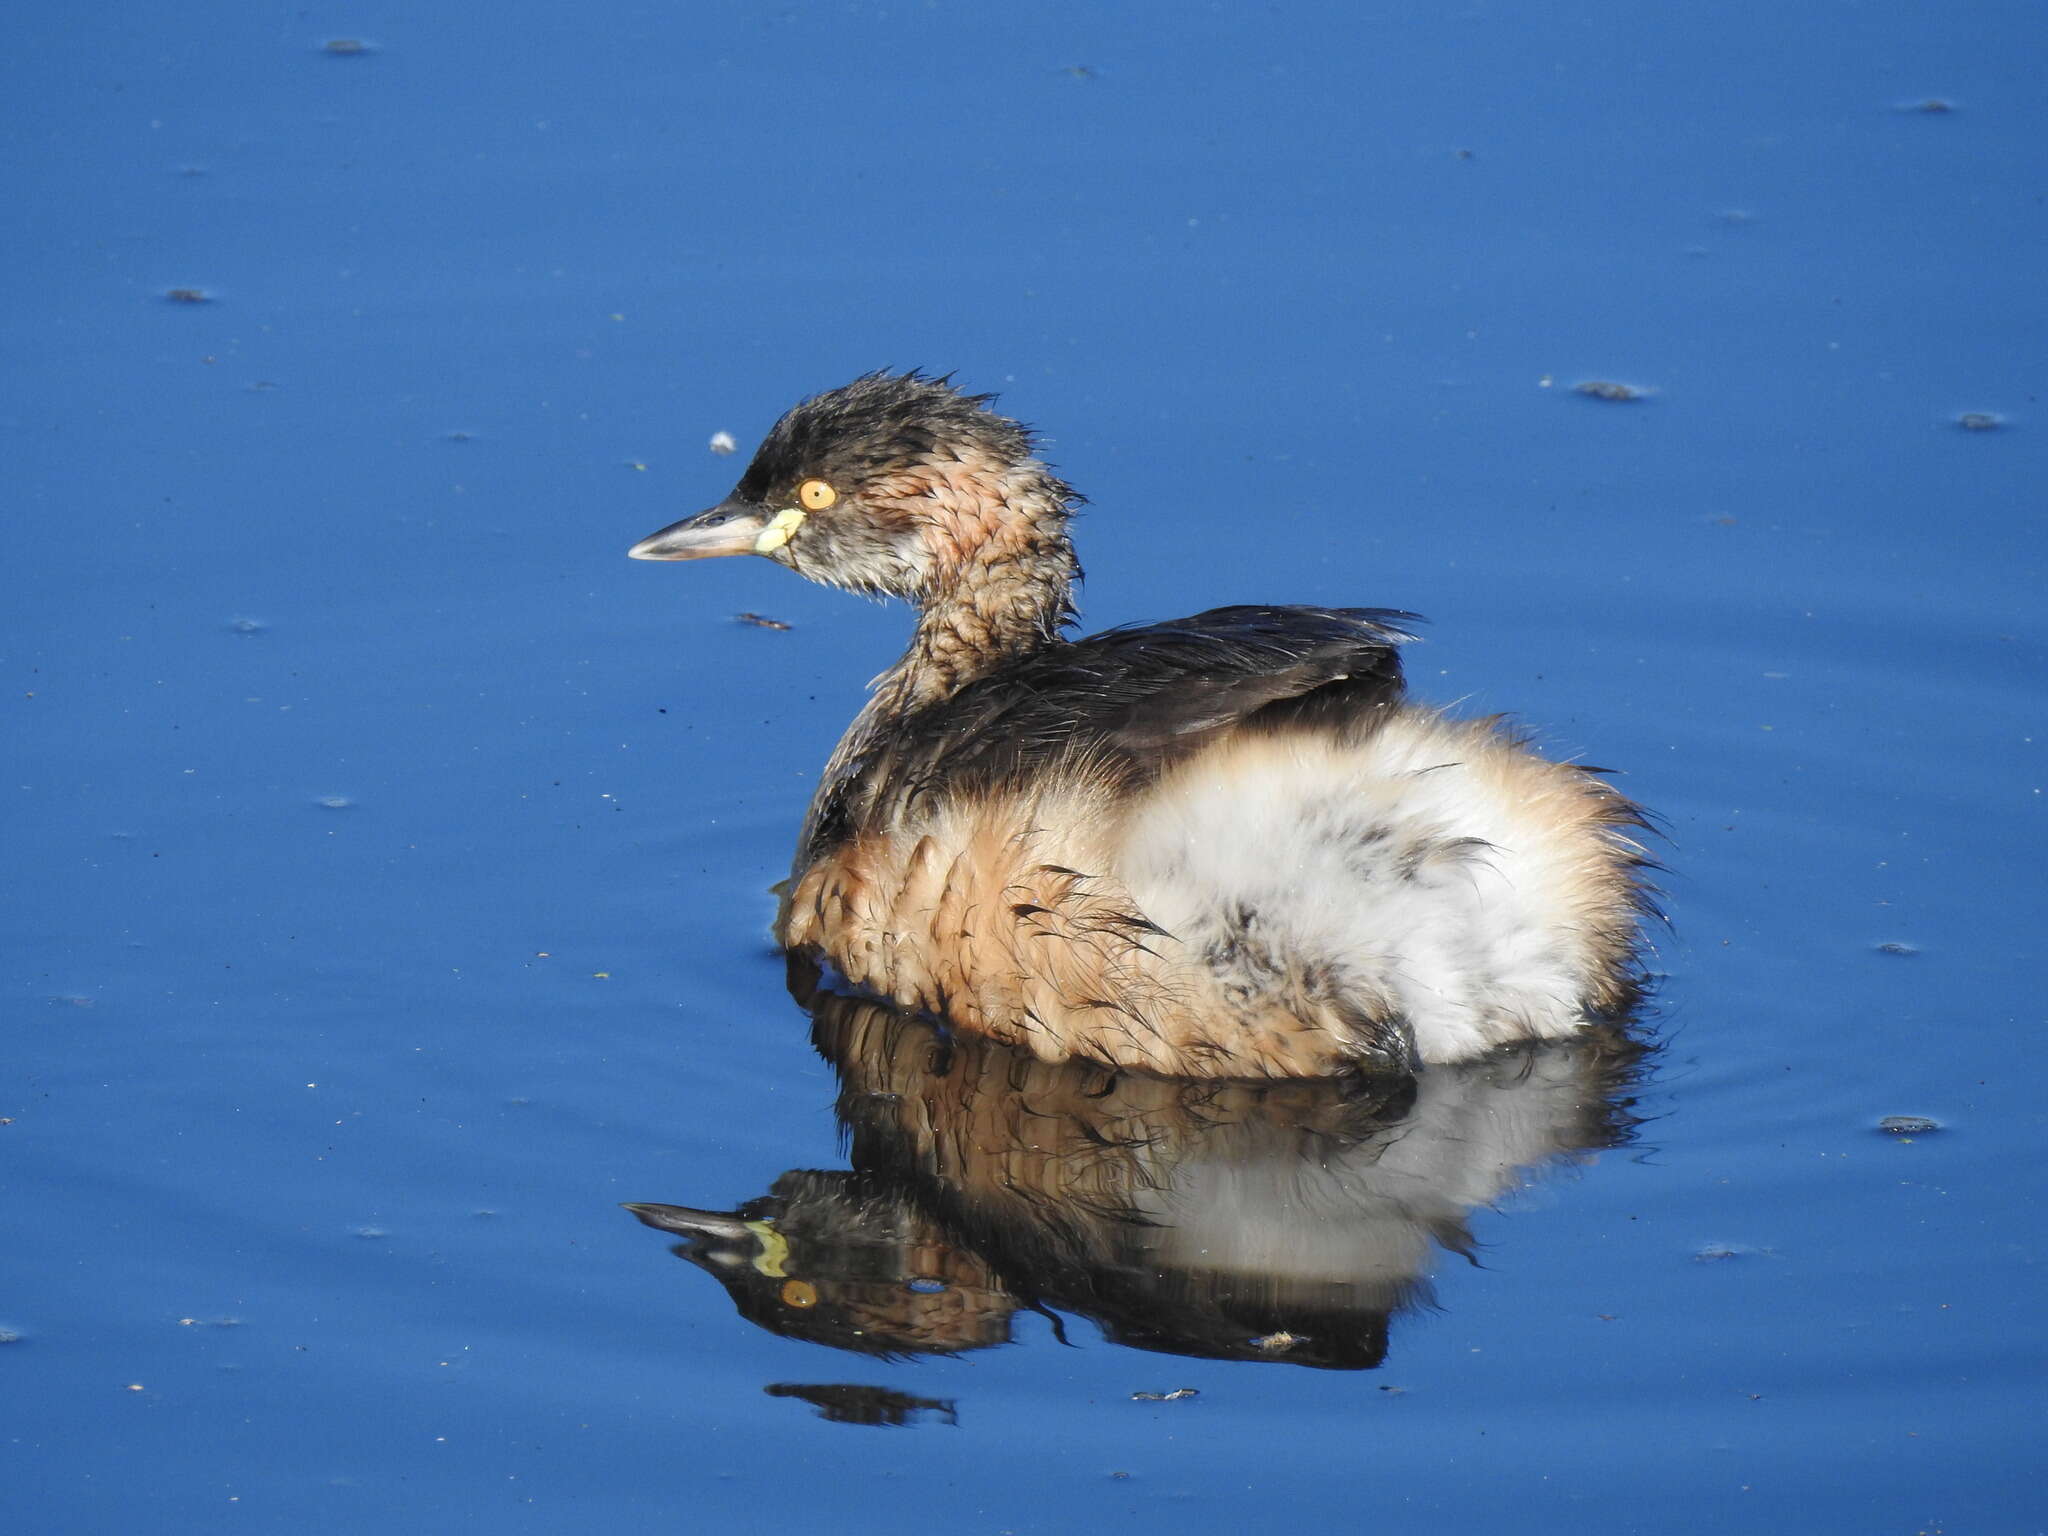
(879, 423)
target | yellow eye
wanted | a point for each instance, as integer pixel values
(799, 1293)
(816, 495)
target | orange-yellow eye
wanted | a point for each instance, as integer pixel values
(799, 1293)
(816, 495)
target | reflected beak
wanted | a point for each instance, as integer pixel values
(690, 1222)
(730, 528)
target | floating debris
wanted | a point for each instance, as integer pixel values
(723, 443)
(1166, 1397)
(247, 626)
(188, 296)
(1279, 1342)
(1908, 1125)
(1930, 106)
(759, 621)
(877, 1406)
(345, 47)
(1609, 389)
(334, 802)
(1980, 421)
(1894, 948)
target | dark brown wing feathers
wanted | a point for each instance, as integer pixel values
(1131, 701)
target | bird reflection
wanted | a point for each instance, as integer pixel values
(1282, 1220)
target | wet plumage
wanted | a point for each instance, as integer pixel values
(1224, 845)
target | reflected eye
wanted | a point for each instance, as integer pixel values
(816, 495)
(799, 1293)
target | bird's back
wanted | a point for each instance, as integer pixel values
(1119, 708)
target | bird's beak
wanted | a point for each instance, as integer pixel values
(730, 528)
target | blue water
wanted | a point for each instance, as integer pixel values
(389, 859)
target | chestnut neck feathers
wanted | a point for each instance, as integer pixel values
(1001, 580)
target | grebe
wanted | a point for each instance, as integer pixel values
(1219, 846)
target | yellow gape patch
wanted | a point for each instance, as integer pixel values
(778, 532)
(774, 1246)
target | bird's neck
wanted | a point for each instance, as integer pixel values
(1000, 585)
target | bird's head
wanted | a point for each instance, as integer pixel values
(888, 485)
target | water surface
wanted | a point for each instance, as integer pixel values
(390, 859)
